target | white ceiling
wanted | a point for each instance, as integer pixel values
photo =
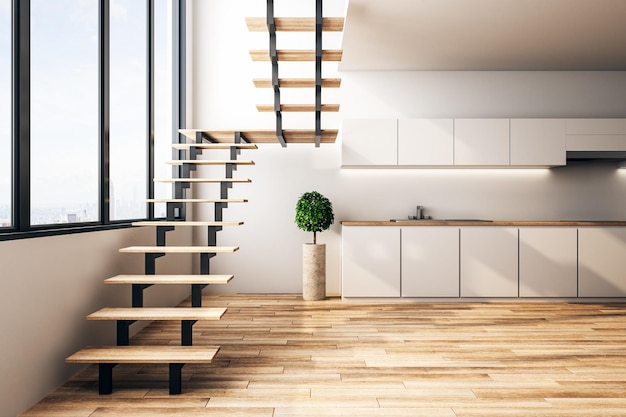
(485, 35)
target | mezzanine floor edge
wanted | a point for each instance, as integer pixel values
(282, 356)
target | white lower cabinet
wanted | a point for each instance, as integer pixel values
(602, 262)
(489, 260)
(430, 262)
(370, 261)
(483, 261)
(548, 262)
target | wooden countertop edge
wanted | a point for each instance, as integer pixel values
(484, 223)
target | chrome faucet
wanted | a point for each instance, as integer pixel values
(419, 213)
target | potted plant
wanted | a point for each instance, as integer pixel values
(314, 213)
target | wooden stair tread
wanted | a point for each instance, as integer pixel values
(269, 135)
(207, 162)
(223, 145)
(179, 249)
(185, 223)
(297, 82)
(144, 354)
(196, 200)
(298, 107)
(169, 279)
(158, 313)
(202, 180)
(295, 24)
(297, 55)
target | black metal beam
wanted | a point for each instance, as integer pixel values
(179, 95)
(20, 51)
(271, 28)
(104, 114)
(150, 106)
(318, 73)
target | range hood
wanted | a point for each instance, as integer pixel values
(607, 156)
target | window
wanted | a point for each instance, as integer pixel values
(5, 113)
(128, 109)
(88, 109)
(64, 111)
(163, 100)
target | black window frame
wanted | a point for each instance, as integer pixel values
(20, 130)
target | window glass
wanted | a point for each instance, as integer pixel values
(163, 100)
(64, 111)
(5, 113)
(128, 109)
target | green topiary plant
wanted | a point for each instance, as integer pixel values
(314, 213)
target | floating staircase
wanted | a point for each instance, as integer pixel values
(319, 24)
(197, 141)
(108, 357)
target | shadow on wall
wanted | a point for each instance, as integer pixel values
(458, 94)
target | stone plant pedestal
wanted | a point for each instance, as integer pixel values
(313, 272)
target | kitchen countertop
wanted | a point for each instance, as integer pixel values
(436, 222)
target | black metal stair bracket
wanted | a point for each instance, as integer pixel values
(150, 262)
(161, 233)
(186, 330)
(123, 332)
(137, 294)
(196, 294)
(271, 27)
(318, 73)
(105, 378)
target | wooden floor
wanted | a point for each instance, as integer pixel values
(281, 356)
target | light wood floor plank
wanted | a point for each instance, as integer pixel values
(281, 356)
(177, 412)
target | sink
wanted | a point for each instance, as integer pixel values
(411, 220)
(467, 220)
(439, 220)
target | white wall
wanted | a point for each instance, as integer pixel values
(49, 285)
(269, 259)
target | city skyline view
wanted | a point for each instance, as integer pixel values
(64, 125)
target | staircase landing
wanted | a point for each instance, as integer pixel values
(264, 136)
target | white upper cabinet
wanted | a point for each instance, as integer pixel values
(538, 142)
(475, 142)
(369, 142)
(596, 134)
(426, 142)
(481, 142)
(596, 126)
